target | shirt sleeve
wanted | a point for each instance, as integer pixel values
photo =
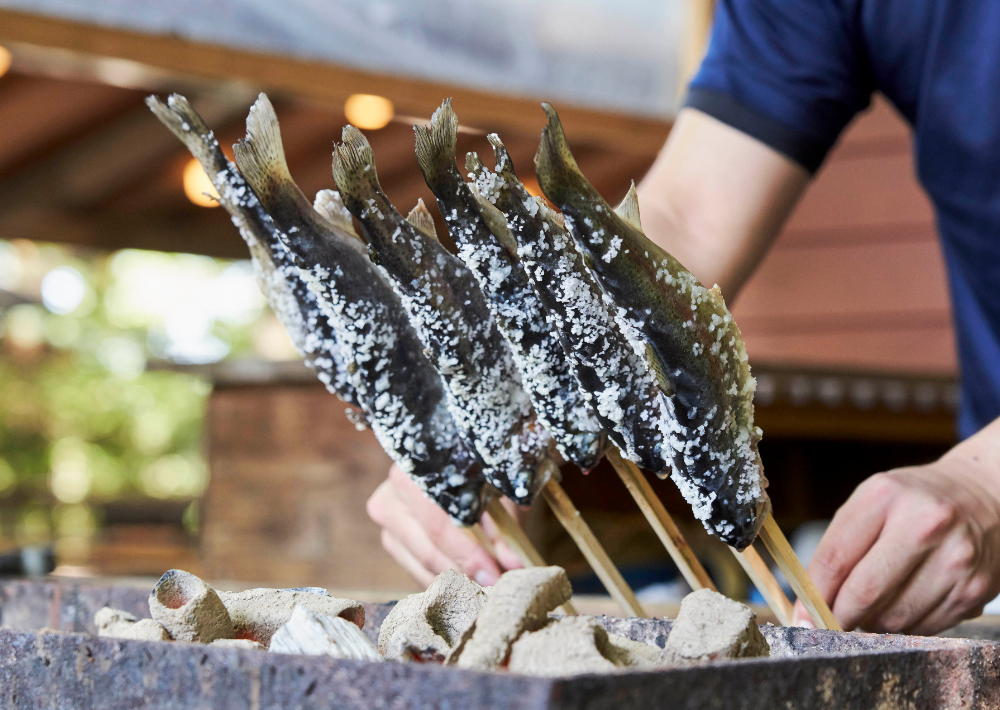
(790, 73)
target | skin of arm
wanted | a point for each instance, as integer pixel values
(914, 549)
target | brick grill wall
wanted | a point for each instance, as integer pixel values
(286, 501)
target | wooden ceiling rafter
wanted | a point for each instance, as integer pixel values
(330, 84)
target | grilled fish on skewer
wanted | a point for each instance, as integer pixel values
(619, 384)
(688, 338)
(288, 296)
(395, 383)
(489, 250)
(450, 314)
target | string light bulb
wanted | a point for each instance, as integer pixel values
(5, 60)
(196, 184)
(368, 111)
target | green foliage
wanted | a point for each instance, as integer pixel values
(83, 417)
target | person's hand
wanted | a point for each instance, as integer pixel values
(915, 549)
(422, 538)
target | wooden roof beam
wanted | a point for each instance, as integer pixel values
(330, 84)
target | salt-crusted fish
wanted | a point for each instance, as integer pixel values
(489, 250)
(395, 383)
(289, 298)
(688, 338)
(450, 315)
(614, 378)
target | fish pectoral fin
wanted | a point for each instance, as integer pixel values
(659, 370)
(420, 217)
(628, 210)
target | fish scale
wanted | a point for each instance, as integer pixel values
(397, 387)
(457, 329)
(489, 250)
(687, 337)
(618, 383)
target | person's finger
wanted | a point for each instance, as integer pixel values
(801, 617)
(946, 615)
(407, 561)
(854, 529)
(395, 516)
(949, 586)
(505, 554)
(879, 576)
(467, 554)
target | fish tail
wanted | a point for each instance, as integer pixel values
(260, 156)
(179, 116)
(473, 164)
(504, 165)
(354, 168)
(436, 145)
(558, 174)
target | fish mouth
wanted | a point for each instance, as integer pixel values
(747, 526)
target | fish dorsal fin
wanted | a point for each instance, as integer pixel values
(330, 205)
(420, 217)
(628, 210)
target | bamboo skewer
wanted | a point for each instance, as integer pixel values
(775, 542)
(760, 574)
(671, 537)
(477, 533)
(573, 522)
(661, 521)
(514, 535)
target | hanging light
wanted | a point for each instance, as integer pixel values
(5, 59)
(196, 184)
(368, 111)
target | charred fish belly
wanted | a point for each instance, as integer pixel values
(396, 385)
(488, 249)
(614, 378)
(688, 338)
(451, 317)
(277, 277)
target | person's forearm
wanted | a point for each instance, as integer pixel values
(716, 199)
(978, 458)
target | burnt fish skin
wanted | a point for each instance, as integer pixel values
(689, 339)
(395, 383)
(277, 276)
(456, 327)
(616, 380)
(489, 250)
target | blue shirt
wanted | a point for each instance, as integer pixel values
(792, 73)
